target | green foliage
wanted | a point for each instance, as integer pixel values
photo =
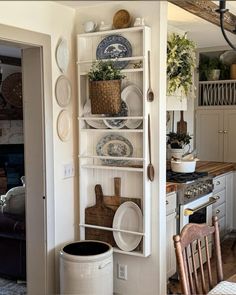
(178, 140)
(207, 64)
(180, 64)
(104, 70)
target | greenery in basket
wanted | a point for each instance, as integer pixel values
(104, 70)
(207, 64)
(180, 64)
(178, 140)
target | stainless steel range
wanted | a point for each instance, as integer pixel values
(194, 199)
(194, 196)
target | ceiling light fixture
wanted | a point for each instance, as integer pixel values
(222, 10)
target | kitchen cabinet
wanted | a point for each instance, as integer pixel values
(223, 208)
(95, 168)
(216, 135)
(170, 232)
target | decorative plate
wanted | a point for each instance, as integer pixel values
(118, 123)
(228, 57)
(133, 97)
(128, 217)
(114, 46)
(63, 91)
(114, 146)
(62, 55)
(121, 19)
(64, 125)
(12, 90)
(98, 124)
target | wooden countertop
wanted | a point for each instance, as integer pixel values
(215, 168)
(171, 187)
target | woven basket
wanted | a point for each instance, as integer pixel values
(105, 96)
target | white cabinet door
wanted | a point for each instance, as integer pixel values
(209, 135)
(170, 251)
(229, 136)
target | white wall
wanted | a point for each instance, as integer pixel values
(145, 275)
(57, 21)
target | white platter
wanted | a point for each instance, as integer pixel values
(63, 91)
(128, 217)
(62, 55)
(64, 125)
(118, 123)
(133, 97)
(114, 146)
(98, 124)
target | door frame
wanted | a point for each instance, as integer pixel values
(42, 279)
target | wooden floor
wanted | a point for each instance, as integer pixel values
(228, 260)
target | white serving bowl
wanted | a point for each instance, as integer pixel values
(183, 166)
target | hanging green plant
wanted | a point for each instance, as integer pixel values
(180, 64)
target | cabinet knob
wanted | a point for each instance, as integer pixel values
(167, 202)
(225, 131)
(217, 211)
(220, 131)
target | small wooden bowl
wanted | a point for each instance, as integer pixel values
(121, 19)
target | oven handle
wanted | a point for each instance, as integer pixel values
(189, 211)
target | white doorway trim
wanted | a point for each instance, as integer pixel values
(38, 122)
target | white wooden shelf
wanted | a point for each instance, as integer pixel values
(130, 58)
(110, 158)
(217, 82)
(125, 71)
(112, 32)
(113, 229)
(90, 130)
(118, 168)
(110, 118)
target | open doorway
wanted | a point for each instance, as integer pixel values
(12, 174)
(35, 51)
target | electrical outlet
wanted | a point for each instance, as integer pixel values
(68, 170)
(122, 272)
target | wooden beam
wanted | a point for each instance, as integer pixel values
(8, 60)
(207, 10)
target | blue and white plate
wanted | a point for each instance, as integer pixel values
(118, 123)
(114, 46)
(114, 146)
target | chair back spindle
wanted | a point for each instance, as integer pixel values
(192, 251)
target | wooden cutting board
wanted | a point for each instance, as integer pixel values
(100, 215)
(115, 201)
(182, 125)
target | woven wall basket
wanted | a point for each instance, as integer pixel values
(105, 96)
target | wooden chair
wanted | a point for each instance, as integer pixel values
(187, 261)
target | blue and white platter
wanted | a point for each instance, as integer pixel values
(118, 123)
(114, 46)
(114, 146)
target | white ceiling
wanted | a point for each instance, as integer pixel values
(202, 32)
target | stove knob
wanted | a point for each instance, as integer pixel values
(188, 194)
(195, 191)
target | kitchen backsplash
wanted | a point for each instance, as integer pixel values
(11, 132)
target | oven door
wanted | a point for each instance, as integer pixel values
(197, 211)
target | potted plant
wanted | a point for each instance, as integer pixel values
(212, 69)
(180, 65)
(105, 87)
(177, 142)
